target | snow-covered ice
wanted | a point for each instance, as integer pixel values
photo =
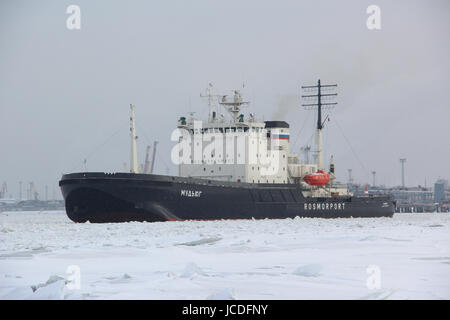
(244, 259)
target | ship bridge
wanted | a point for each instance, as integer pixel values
(240, 149)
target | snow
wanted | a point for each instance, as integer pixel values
(309, 270)
(223, 294)
(191, 270)
(238, 259)
(52, 289)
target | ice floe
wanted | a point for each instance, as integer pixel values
(299, 258)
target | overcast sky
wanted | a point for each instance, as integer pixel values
(65, 94)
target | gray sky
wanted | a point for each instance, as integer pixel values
(65, 94)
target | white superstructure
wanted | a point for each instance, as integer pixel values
(238, 149)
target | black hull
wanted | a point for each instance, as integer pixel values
(123, 197)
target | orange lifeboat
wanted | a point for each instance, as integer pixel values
(320, 178)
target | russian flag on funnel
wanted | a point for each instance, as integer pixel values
(281, 136)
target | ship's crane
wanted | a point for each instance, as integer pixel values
(4, 191)
(153, 156)
(133, 161)
(147, 161)
(33, 193)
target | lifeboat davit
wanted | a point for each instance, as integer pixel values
(320, 178)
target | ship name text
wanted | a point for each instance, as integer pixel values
(191, 193)
(325, 206)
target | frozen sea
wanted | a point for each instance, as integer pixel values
(43, 255)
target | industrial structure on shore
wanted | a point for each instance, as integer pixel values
(32, 201)
(31, 205)
(413, 199)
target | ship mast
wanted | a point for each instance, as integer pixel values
(133, 160)
(234, 106)
(319, 104)
(210, 96)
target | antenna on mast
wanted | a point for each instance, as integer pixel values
(317, 99)
(212, 112)
(234, 106)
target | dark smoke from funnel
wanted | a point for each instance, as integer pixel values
(285, 104)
